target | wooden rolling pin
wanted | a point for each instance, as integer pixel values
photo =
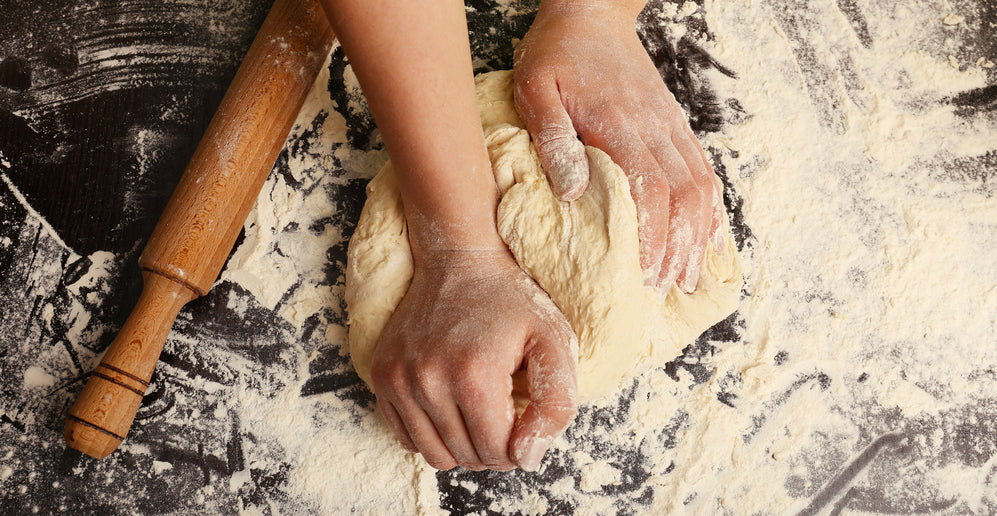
(202, 220)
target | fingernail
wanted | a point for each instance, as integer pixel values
(720, 241)
(670, 277)
(532, 452)
(652, 276)
(568, 168)
(570, 180)
(690, 280)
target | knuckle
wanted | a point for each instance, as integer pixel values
(567, 340)
(388, 377)
(524, 85)
(473, 384)
(524, 94)
(556, 138)
(493, 455)
(422, 436)
(691, 195)
(473, 365)
(697, 197)
(426, 381)
(653, 186)
(562, 410)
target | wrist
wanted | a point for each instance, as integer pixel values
(433, 236)
(452, 212)
(624, 10)
(479, 260)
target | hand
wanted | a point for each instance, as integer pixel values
(444, 364)
(581, 72)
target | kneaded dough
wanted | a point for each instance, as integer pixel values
(584, 254)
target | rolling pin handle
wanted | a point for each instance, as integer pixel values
(99, 420)
(203, 218)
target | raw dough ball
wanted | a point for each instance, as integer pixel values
(584, 254)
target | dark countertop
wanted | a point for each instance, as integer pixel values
(101, 105)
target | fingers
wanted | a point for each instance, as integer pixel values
(678, 236)
(719, 210)
(448, 420)
(695, 203)
(469, 426)
(418, 430)
(651, 193)
(397, 426)
(562, 155)
(676, 196)
(717, 226)
(411, 424)
(551, 369)
(488, 412)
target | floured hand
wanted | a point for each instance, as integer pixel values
(581, 73)
(444, 364)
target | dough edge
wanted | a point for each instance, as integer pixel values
(584, 254)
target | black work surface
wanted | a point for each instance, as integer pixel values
(101, 106)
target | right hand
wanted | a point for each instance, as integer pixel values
(583, 77)
(444, 364)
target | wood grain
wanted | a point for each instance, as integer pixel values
(203, 218)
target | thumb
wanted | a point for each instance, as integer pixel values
(551, 369)
(562, 154)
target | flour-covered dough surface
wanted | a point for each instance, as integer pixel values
(584, 254)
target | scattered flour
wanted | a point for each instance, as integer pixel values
(864, 375)
(870, 306)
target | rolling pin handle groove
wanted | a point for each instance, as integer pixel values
(205, 214)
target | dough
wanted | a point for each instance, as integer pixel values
(584, 254)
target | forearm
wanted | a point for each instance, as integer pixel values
(413, 62)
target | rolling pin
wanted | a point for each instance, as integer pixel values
(202, 220)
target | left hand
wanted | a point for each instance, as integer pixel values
(444, 366)
(582, 73)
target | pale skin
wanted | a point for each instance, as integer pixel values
(443, 367)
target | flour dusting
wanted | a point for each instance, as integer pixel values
(855, 139)
(868, 309)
